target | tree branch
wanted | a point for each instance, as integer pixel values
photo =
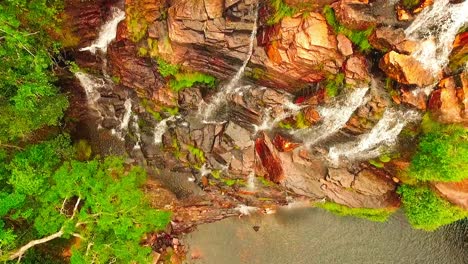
(23, 249)
(33, 243)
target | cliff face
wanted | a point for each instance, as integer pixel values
(297, 56)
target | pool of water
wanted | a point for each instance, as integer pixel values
(315, 236)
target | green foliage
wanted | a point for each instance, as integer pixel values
(357, 37)
(100, 201)
(425, 210)
(83, 150)
(442, 153)
(28, 100)
(187, 80)
(333, 84)
(182, 80)
(372, 214)
(166, 69)
(281, 10)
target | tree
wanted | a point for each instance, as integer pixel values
(28, 98)
(97, 202)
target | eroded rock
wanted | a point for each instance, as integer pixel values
(405, 69)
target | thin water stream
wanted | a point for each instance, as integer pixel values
(307, 236)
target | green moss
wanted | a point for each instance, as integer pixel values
(281, 10)
(115, 79)
(216, 174)
(372, 214)
(182, 80)
(197, 153)
(187, 80)
(425, 210)
(376, 163)
(357, 37)
(333, 84)
(442, 154)
(285, 125)
(232, 182)
(166, 69)
(301, 121)
(409, 4)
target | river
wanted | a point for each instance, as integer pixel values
(313, 235)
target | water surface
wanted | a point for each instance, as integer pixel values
(315, 236)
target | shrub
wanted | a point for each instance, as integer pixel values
(442, 153)
(425, 210)
(372, 214)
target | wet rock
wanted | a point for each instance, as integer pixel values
(284, 144)
(414, 97)
(340, 177)
(312, 115)
(455, 192)
(165, 97)
(405, 69)
(356, 71)
(239, 136)
(354, 15)
(268, 160)
(110, 123)
(190, 98)
(345, 46)
(368, 183)
(388, 38)
(459, 56)
(134, 72)
(449, 102)
(302, 173)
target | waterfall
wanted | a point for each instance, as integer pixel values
(251, 181)
(383, 135)
(268, 123)
(334, 117)
(160, 129)
(91, 85)
(124, 121)
(206, 111)
(436, 28)
(136, 126)
(107, 33)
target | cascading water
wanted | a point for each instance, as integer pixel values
(334, 117)
(383, 135)
(208, 110)
(137, 132)
(436, 28)
(91, 85)
(160, 129)
(124, 121)
(107, 33)
(290, 109)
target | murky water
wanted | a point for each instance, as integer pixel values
(316, 236)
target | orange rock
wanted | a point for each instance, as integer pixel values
(405, 69)
(311, 115)
(455, 192)
(450, 101)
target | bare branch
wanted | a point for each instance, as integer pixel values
(23, 249)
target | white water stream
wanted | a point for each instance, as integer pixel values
(160, 129)
(107, 33)
(383, 135)
(207, 111)
(436, 28)
(334, 117)
(91, 85)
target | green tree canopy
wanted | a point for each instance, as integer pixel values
(28, 99)
(99, 202)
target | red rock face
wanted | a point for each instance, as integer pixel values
(283, 144)
(269, 160)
